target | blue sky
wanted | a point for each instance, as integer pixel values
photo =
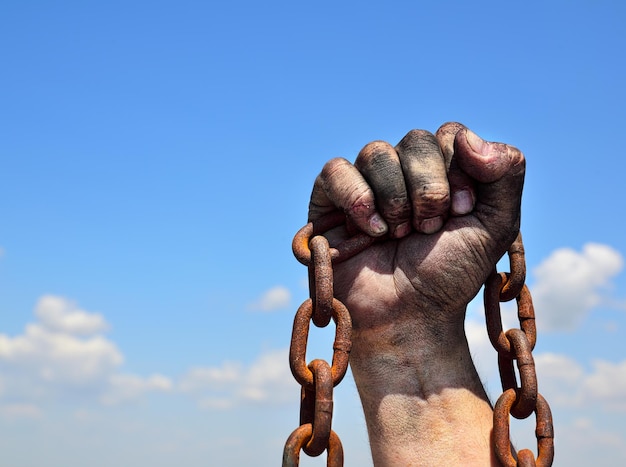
(157, 158)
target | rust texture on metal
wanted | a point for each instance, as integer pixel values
(315, 434)
(517, 277)
(300, 437)
(516, 346)
(544, 433)
(317, 378)
(525, 314)
(322, 272)
(322, 408)
(339, 253)
(299, 338)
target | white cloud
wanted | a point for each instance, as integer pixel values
(569, 284)
(607, 384)
(560, 378)
(582, 442)
(215, 378)
(125, 387)
(64, 355)
(275, 298)
(267, 380)
(48, 356)
(60, 314)
(564, 382)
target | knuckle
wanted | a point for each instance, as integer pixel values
(361, 202)
(397, 209)
(517, 158)
(450, 128)
(432, 192)
(445, 135)
(345, 188)
(332, 167)
(418, 134)
(431, 199)
(372, 152)
(417, 139)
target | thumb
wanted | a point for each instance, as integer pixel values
(499, 172)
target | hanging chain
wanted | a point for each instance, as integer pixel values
(318, 378)
(516, 345)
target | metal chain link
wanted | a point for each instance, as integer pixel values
(315, 434)
(516, 345)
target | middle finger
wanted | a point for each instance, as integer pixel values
(379, 164)
(424, 169)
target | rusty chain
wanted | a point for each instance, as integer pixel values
(318, 378)
(516, 345)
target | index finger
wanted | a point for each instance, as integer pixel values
(341, 186)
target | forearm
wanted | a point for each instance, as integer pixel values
(424, 403)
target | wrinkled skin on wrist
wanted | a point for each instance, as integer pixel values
(448, 207)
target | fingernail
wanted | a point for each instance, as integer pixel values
(462, 202)
(432, 225)
(377, 224)
(402, 230)
(475, 141)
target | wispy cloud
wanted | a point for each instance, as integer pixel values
(565, 382)
(267, 380)
(128, 387)
(62, 354)
(569, 284)
(273, 299)
(44, 354)
(62, 315)
(585, 441)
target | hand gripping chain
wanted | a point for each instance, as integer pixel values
(315, 435)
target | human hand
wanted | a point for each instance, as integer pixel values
(447, 207)
(449, 204)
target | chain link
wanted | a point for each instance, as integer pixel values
(544, 433)
(315, 434)
(514, 347)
